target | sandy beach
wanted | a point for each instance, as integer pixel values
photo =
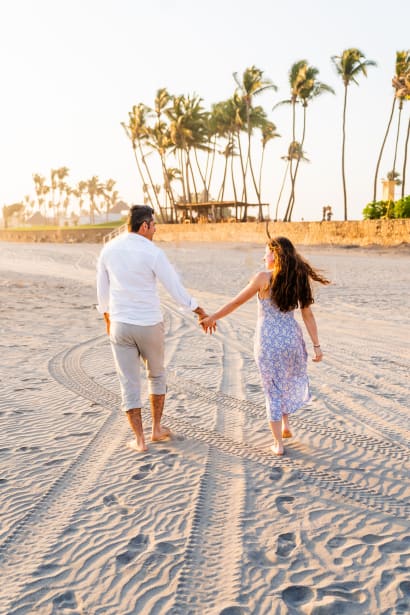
(209, 523)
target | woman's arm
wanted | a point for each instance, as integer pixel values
(311, 327)
(257, 283)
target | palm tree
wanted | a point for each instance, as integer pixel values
(349, 65)
(61, 174)
(41, 190)
(137, 131)
(304, 87)
(268, 130)
(110, 195)
(399, 85)
(94, 189)
(295, 152)
(251, 84)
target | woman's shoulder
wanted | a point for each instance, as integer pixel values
(261, 279)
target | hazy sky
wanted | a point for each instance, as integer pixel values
(71, 71)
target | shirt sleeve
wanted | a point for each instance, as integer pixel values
(171, 282)
(103, 287)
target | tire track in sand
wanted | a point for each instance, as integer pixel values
(200, 398)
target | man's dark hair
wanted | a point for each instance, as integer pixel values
(137, 215)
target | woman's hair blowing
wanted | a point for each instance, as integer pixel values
(290, 285)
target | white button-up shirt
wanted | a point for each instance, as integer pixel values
(127, 272)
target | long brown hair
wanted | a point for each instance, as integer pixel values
(290, 286)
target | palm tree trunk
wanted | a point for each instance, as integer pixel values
(381, 151)
(222, 188)
(286, 216)
(406, 146)
(260, 213)
(151, 183)
(193, 176)
(281, 190)
(208, 184)
(140, 170)
(298, 163)
(397, 137)
(235, 193)
(202, 176)
(343, 153)
(244, 191)
(181, 168)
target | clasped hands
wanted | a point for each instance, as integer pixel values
(206, 322)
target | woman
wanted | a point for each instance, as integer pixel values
(280, 351)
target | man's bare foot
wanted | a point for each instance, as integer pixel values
(286, 433)
(277, 449)
(162, 435)
(137, 447)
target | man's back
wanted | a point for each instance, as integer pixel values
(129, 262)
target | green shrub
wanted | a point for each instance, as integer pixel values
(377, 209)
(402, 208)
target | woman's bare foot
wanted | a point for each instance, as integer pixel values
(137, 447)
(277, 449)
(286, 432)
(161, 435)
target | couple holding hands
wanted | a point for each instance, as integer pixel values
(127, 272)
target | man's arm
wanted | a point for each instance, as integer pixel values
(169, 278)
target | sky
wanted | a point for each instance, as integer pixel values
(71, 71)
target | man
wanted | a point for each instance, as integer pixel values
(127, 271)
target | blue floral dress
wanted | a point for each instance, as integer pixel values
(281, 356)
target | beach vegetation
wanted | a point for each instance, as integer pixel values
(402, 207)
(188, 138)
(349, 65)
(376, 210)
(401, 86)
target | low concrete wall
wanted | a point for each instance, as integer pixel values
(56, 236)
(356, 232)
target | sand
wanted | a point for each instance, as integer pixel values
(210, 522)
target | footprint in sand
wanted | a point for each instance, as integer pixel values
(66, 600)
(372, 539)
(135, 546)
(286, 544)
(335, 542)
(276, 474)
(296, 595)
(143, 471)
(233, 610)
(396, 546)
(166, 548)
(109, 500)
(282, 504)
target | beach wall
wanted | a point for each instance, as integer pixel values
(355, 232)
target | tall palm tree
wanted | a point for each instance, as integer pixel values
(305, 87)
(268, 130)
(399, 85)
(251, 84)
(349, 65)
